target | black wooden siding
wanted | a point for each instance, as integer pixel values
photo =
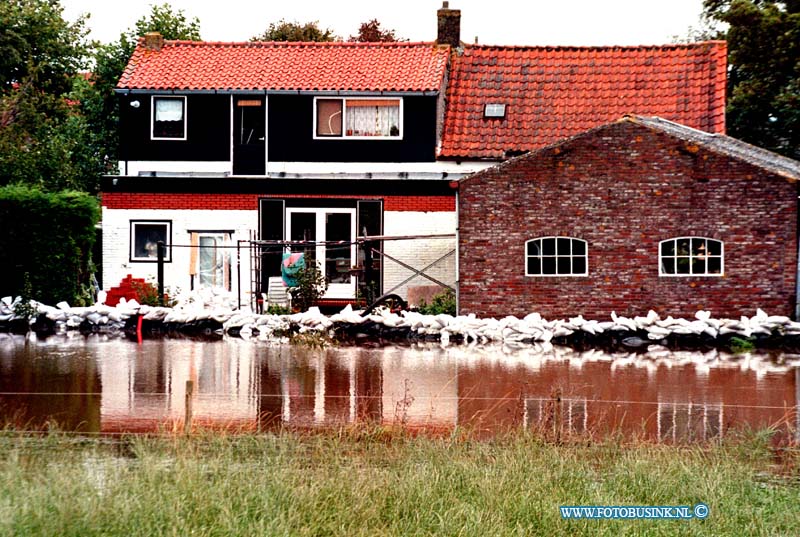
(290, 133)
(208, 130)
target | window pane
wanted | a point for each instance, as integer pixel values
(683, 246)
(337, 258)
(564, 265)
(698, 265)
(714, 247)
(329, 117)
(146, 237)
(534, 265)
(548, 265)
(668, 248)
(548, 247)
(668, 265)
(562, 246)
(304, 228)
(368, 117)
(168, 118)
(698, 247)
(579, 265)
(578, 247)
(534, 248)
(715, 265)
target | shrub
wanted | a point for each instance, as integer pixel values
(311, 285)
(48, 236)
(444, 302)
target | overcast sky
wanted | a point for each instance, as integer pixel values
(495, 22)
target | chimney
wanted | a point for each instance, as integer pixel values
(449, 27)
(153, 41)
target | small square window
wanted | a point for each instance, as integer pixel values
(145, 236)
(169, 118)
(497, 110)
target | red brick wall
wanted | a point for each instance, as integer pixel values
(139, 200)
(624, 188)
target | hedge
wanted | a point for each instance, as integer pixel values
(49, 236)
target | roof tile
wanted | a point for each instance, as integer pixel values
(201, 65)
(541, 86)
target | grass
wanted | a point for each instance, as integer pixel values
(357, 482)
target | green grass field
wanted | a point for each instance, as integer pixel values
(377, 483)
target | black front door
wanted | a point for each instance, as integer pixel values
(249, 150)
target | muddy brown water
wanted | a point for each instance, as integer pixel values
(99, 385)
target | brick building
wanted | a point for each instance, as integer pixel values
(634, 215)
(328, 142)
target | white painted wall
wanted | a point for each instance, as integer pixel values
(457, 169)
(418, 252)
(116, 244)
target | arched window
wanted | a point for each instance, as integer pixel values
(691, 256)
(556, 256)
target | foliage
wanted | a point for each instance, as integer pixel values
(371, 31)
(147, 294)
(278, 309)
(739, 345)
(764, 71)
(44, 139)
(295, 31)
(35, 38)
(444, 302)
(311, 285)
(23, 308)
(48, 236)
(99, 103)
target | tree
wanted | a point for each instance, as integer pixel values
(764, 71)
(371, 31)
(295, 31)
(34, 37)
(98, 101)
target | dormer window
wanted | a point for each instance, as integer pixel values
(168, 118)
(361, 118)
(494, 110)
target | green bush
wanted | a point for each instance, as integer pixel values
(48, 236)
(444, 302)
(311, 285)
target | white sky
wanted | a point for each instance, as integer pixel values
(495, 22)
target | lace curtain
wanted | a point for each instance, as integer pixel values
(366, 118)
(169, 110)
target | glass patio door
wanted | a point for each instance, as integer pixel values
(324, 228)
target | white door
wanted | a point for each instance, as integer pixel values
(331, 234)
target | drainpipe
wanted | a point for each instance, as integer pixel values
(458, 241)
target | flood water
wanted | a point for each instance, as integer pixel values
(99, 385)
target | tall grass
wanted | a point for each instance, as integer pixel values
(375, 483)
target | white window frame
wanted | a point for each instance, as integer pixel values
(132, 245)
(335, 290)
(344, 135)
(225, 237)
(153, 99)
(705, 274)
(556, 256)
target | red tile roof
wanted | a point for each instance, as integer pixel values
(552, 93)
(197, 65)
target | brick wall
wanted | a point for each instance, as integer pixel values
(226, 201)
(623, 188)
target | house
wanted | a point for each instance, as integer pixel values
(638, 214)
(250, 144)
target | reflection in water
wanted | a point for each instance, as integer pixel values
(113, 385)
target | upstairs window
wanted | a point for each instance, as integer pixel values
(556, 256)
(690, 256)
(364, 118)
(169, 118)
